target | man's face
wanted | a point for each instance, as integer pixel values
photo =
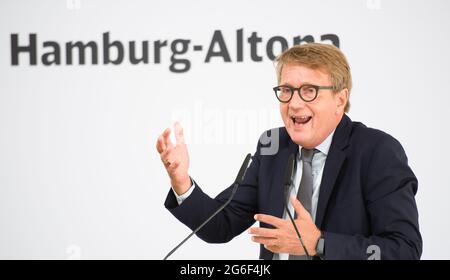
(309, 123)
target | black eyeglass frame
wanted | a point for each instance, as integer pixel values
(292, 89)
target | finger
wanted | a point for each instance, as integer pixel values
(270, 244)
(273, 249)
(166, 136)
(265, 240)
(268, 219)
(160, 146)
(299, 209)
(263, 232)
(179, 135)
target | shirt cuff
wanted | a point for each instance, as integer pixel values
(183, 197)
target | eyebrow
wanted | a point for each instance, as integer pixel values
(302, 84)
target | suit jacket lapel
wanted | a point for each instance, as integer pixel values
(335, 159)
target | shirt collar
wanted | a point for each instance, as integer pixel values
(323, 147)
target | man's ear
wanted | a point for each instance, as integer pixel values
(341, 100)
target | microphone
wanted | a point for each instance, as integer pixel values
(237, 182)
(287, 185)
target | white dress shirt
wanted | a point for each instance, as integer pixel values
(317, 164)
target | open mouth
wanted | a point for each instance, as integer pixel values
(300, 120)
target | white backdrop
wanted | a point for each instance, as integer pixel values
(79, 173)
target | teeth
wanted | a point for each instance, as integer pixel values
(300, 119)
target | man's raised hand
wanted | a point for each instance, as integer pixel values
(175, 159)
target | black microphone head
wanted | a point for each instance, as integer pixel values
(288, 176)
(289, 170)
(241, 174)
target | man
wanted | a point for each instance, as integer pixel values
(353, 191)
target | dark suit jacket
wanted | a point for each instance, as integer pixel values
(366, 197)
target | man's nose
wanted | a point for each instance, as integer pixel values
(296, 102)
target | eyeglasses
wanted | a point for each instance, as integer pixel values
(306, 92)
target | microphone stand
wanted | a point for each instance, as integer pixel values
(237, 182)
